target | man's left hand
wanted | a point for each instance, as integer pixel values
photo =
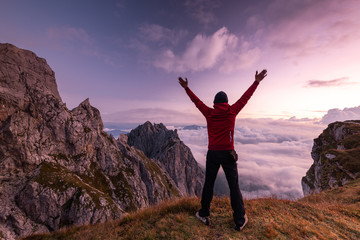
(183, 83)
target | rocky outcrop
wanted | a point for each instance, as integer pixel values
(336, 155)
(57, 166)
(165, 146)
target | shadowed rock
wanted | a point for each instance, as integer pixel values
(165, 146)
(336, 155)
(57, 166)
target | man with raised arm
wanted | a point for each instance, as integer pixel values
(220, 125)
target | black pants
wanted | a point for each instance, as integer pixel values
(227, 159)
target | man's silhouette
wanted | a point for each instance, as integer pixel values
(220, 125)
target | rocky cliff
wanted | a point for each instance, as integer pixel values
(57, 166)
(165, 146)
(336, 155)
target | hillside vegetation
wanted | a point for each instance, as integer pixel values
(332, 214)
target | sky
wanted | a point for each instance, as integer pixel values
(126, 56)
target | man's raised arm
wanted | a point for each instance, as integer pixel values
(198, 103)
(236, 107)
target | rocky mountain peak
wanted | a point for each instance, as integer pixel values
(24, 77)
(58, 167)
(86, 111)
(165, 146)
(148, 137)
(336, 155)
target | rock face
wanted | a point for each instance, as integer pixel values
(58, 167)
(336, 154)
(166, 147)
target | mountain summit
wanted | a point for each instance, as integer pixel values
(161, 144)
(336, 154)
(58, 167)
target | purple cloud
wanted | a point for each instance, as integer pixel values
(336, 114)
(221, 49)
(329, 83)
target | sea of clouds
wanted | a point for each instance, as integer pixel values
(336, 114)
(273, 154)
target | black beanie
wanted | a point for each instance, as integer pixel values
(221, 97)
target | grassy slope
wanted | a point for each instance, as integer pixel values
(332, 214)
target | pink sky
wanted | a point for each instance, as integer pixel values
(126, 57)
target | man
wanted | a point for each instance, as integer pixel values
(220, 125)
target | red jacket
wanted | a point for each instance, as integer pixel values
(221, 119)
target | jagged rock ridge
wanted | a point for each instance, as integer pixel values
(336, 155)
(57, 166)
(166, 147)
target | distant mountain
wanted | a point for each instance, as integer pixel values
(166, 147)
(115, 133)
(58, 167)
(116, 129)
(336, 155)
(192, 127)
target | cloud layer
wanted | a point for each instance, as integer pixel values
(273, 155)
(329, 83)
(222, 49)
(336, 114)
(292, 29)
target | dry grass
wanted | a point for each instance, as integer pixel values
(333, 214)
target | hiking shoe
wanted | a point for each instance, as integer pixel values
(205, 220)
(240, 227)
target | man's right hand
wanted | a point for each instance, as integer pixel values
(259, 77)
(183, 83)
